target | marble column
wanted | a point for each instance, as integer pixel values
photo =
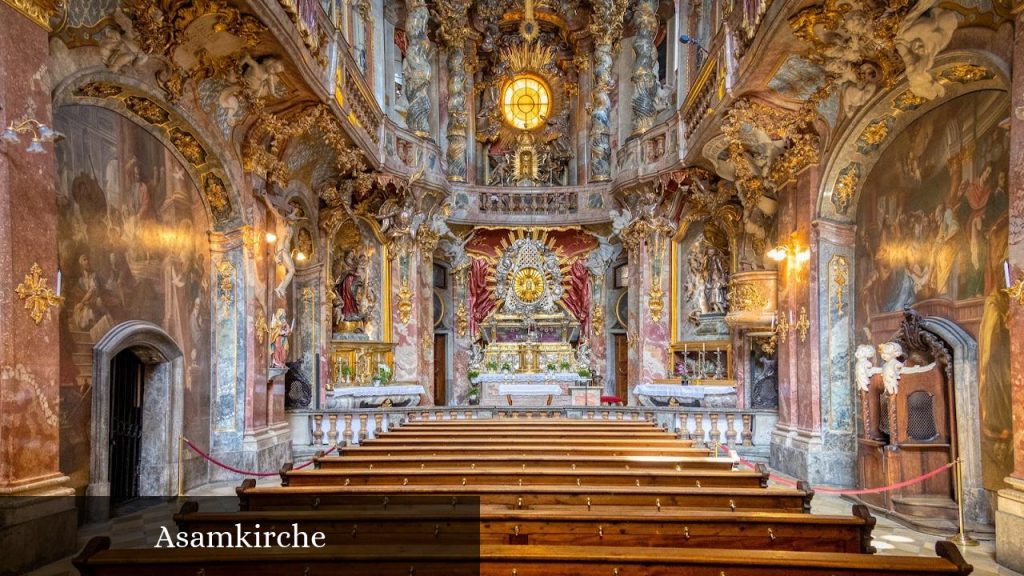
(1010, 514)
(307, 339)
(600, 115)
(645, 65)
(417, 69)
(599, 318)
(454, 33)
(411, 316)
(798, 445)
(38, 522)
(648, 330)
(463, 339)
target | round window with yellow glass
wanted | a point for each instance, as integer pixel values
(526, 101)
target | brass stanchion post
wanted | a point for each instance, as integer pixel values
(181, 466)
(960, 538)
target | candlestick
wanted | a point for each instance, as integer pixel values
(1006, 273)
(59, 280)
(790, 317)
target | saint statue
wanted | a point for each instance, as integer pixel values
(348, 290)
(280, 330)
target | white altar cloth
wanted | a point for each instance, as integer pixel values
(374, 396)
(529, 389)
(710, 395)
(533, 378)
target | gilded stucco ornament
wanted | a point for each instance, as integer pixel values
(875, 133)
(744, 296)
(840, 274)
(846, 188)
(404, 301)
(38, 297)
(166, 30)
(48, 14)
(966, 73)
(226, 286)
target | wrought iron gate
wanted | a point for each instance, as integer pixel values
(126, 393)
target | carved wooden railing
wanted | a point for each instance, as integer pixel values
(747, 431)
(555, 202)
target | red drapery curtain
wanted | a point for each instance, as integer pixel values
(577, 296)
(481, 302)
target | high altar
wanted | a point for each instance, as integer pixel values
(530, 346)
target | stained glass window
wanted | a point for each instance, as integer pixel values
(525, 102)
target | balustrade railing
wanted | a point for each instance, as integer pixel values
(564, 204)
(743, 430)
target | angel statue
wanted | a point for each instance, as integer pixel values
(456, 250)
(620, 220)
(864, 367)
(892, 367)
(600, 259)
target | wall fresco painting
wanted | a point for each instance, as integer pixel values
(132, 246)
(933, 226)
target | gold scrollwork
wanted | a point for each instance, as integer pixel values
(745, 296)
(656, 302)
(803, 324)
(99, 90)
(846, 188)
(840, 276)
(404, 302)
(38, 297)
(1016, 291)
(261, 326)
(874, 134)
(147, 110)
(782, 327)
(188, 145)
(226, 285)
(966, 73)
(251, 238)
(461, 318)
(42, 12)
(907, 101)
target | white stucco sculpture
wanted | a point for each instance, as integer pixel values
(892, 366)
(864, 368)
(924, 33)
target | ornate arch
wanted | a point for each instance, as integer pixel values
(872, 131)
(204, 162)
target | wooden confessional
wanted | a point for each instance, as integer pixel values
(912, 432)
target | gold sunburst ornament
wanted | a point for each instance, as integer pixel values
(38, 297)
(528, 285)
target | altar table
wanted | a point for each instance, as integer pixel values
(661, 395)
(510, 390)
(374, 396)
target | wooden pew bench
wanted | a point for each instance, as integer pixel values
(252, 497)
(96, 559)
(607, 527)
(554, 449)
(510, 476)
(538, 462)
(514, 443)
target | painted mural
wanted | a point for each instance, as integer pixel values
(133, 246)
(933, 226)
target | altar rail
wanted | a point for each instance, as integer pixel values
(747, 431)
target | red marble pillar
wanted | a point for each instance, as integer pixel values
(1010, 514)
(410, 310)
(32, 531)
(796, 442)
(649, 295)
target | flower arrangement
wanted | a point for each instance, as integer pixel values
(551, 366)
(506, 367)
(383, 375)
(491, 366)
(564, 366)
(583, 372)
(473, 375)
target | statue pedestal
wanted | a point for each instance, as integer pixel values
(712, 324)
(1010, 520)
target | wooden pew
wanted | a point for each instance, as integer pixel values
(552, 449)
(96, 559)
(252, 497)
(512, 435)
(615, 527)
(510, 476)
(538, 462)
(512, 444)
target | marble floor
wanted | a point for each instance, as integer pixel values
(142, 529)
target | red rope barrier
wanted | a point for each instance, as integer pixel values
(838, 491)
(230, 468)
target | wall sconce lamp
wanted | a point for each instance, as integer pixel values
(271, 237)
(300, 256)
(792, 249)
(40, 133)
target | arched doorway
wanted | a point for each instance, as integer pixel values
(137, 406)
